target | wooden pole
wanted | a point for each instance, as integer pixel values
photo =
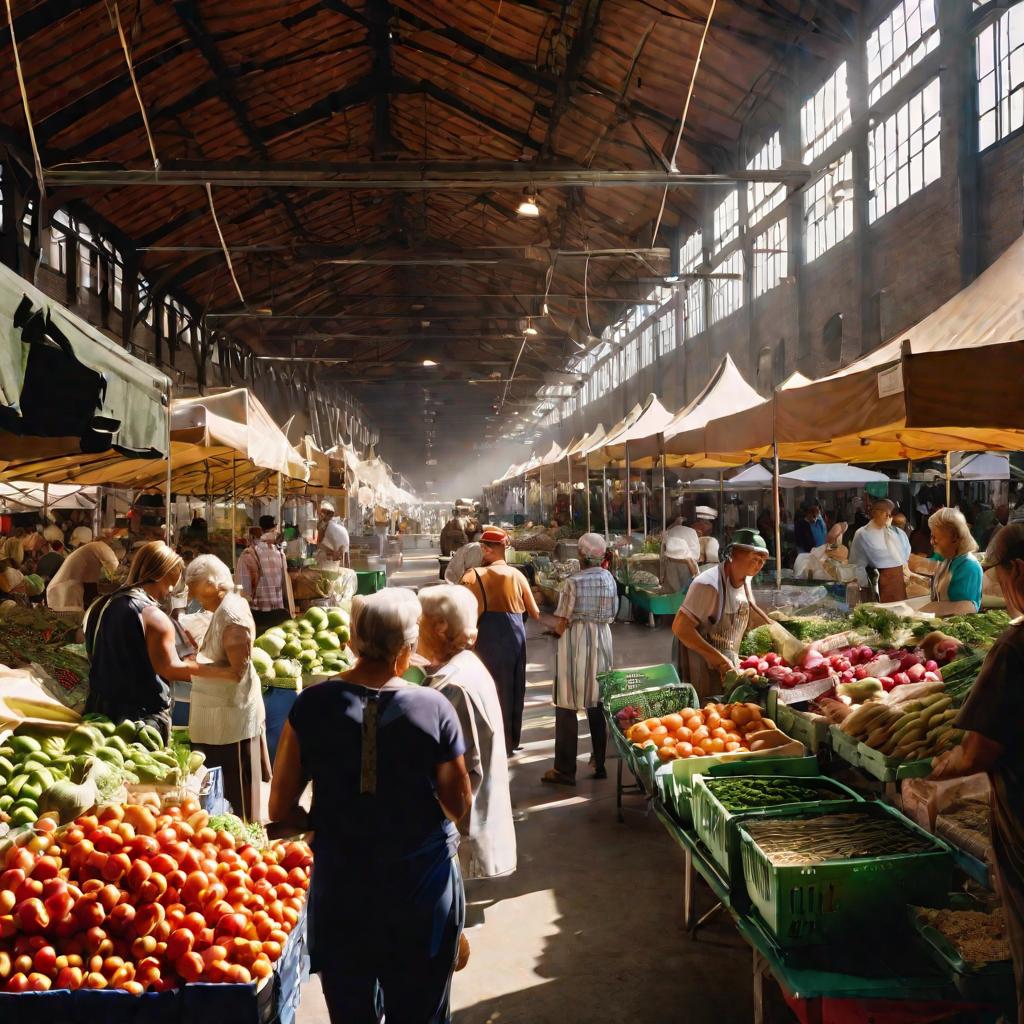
(778, 515)
(949, 480)
(586, 488)
(629, 500)
(568, 467)
(604, 498)
(234, 505)
(46, 502)
(167, 521)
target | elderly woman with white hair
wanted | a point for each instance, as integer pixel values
(226, 712)
(956, 574)
(881, 547)
(586, 609)
(447, 634)
(385, 760)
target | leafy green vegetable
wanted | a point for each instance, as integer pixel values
(252, 833)
(884, 623)
(757, 641)
(977, 630)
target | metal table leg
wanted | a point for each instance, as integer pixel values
(760, 969)
(618, 791)
(688, 891)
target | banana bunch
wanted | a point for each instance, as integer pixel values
(909, 731)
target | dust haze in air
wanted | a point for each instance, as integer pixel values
(468, 479)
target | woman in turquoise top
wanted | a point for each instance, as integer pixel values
(956, 573)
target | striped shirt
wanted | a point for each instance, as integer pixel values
(589, 596)
(261, 575)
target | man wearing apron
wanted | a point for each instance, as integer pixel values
(681, 551)
(503, 595)
(880, 546)
(718, 610)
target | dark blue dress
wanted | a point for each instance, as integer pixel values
(386, 901)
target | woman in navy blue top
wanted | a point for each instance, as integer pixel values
(386, 763)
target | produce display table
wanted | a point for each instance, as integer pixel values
(371, 580)
(654, 604)
(813, 978)
(275, 1000)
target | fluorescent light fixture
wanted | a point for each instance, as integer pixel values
(429, 362)
(528, 206)
(530, 330)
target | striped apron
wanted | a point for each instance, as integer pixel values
(584, 652)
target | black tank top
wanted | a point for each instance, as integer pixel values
(122, 680)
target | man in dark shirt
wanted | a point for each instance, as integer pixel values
(993, 742)
(51, 561)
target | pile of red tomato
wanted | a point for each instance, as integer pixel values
(144, 900)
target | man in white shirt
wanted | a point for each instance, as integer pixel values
(74, 585)
(704, 525)
(469, 556)
(332, 549)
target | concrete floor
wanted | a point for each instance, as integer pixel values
(588, 927)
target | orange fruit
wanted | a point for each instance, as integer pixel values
(728, 724)
(652, 723)
(732, 737)
(658, 732)
(694, 722)
(697, 752)
(701, 734)
(719, 733)
(684, 749)
(715, 746)
(683, 734)
(712, 719)
(668, 740)
(639, 733)
(667, 753)
(672, 722)
(732, 745)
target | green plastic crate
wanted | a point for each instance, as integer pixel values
(890, 769)
(717, 827)
(846, 747)
(625, 680)
(990, 982)
(654, 702)
(656, 604)
(369, 581)
(811, 732)
(673, 781)
(840, 899)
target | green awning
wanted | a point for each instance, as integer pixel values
(129, 401)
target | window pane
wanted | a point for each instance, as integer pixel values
(826, 115)
(828, 208)
(907, 35)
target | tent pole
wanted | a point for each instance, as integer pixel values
(664, 498)
(280, 501)
(949, 484)
(234, 505)
(778, 515)
(167, 521)
(604, 498)
(586, 490)
(643, 501)
(568, 469)
(46, 502)
(629, 500)
(721, 495)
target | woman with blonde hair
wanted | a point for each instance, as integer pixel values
(956, 573)
(226, 712)
(447, 634)
(130, 642)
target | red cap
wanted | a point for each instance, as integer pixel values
(494, 535)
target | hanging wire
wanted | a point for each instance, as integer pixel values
(115, 17)
(223, 244)
(686, 111)
(24, 102)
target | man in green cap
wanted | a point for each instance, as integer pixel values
(718, 610)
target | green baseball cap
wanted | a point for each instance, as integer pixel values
(749, 539)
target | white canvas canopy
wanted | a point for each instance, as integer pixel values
(831, 476)
(683, 441)
(651, 421)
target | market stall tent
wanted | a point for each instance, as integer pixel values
(953, 382)
(220, 445)
(682, 440)
(51, 361)
(831, 476)
(652, 420)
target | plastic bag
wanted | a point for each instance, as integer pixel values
(924, 799)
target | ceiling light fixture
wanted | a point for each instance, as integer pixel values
(530, 331)
(528, 205)
(429, 362)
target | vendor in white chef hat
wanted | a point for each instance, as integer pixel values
(704, 524)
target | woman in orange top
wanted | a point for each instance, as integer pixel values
(503, 595)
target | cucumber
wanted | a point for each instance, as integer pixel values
(5, 801)
(24, 816)
(24, 744)
(30, 791)
(14, 787)
(6, 767)
(8, 753)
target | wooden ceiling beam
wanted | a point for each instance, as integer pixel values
(527, 72)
